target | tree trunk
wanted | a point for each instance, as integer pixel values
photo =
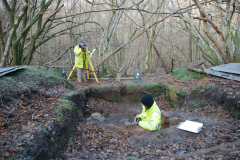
(11, 35)
(30, 52)
(190, 39)
(1, 41)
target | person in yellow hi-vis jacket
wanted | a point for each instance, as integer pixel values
(80, 62)
(150, 118)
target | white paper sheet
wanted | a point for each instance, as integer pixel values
(190, 126)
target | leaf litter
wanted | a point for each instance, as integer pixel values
(21, 116)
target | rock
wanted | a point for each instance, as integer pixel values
(134, 153)
(123, 120)
(96, 116)
(109, 151)
(6, 154)
(159, 151)
(105, 155)
(174, 121)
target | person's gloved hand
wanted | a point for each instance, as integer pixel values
(138, 119)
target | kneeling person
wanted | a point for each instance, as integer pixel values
(150, 118)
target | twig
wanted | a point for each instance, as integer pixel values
(146, 92)
(197, 70)
(203, 67)
(172, 64)
(34, 113)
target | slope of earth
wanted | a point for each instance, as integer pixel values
(27, 104)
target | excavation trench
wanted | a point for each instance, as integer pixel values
(104, 135)
(43, 125)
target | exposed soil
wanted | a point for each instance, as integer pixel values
(21, 114)
(112, 139)
(25, 110)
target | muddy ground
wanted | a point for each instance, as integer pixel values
(22, 113)
(112, 139)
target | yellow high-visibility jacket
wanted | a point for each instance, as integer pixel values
(80, 61)
(151, 118)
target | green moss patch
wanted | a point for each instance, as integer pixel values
(33, 77)
(184, 74)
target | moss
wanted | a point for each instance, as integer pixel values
(173, 104)
(83, 106)
(235, 113)
(193, 104)
(181, 92)
(182, 73)
(197, 89)
(155, 85)
(171, 93)
(117, 99)
(101, 86)
(67, 104)
(135, 99)
(209, 86)
(73, 75)
(70, 94)
(63, 104)
(131, 85)
(48, 132)
(133, 158)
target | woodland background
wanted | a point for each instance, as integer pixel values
(127, 34)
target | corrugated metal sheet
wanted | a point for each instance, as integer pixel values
(4, 71)
(228, 71)
(228, 68)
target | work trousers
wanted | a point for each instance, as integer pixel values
(81, 73)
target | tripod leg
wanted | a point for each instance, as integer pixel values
(92, 69)
(74, 66)
(86, 65)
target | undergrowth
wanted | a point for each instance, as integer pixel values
(182, 73)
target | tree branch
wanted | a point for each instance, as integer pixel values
(11, 34)
(7, 6)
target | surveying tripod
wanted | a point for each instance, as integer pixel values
(87, 59)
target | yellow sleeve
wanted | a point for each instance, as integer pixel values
(143, 114)
(77, 51)
(143, 124)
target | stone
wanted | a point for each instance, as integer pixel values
(97, 116)
(105, 155)
(174, 121)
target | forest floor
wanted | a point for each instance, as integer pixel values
(112, 139)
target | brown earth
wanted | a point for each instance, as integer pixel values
(112, 139)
